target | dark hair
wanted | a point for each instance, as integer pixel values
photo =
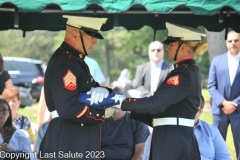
(8, 128)
(118, 89)
(202, 102)
(1, 64)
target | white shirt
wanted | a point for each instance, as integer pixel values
(233, 63)
(95, 70)
(155, 74)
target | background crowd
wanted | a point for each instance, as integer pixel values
(225, 108)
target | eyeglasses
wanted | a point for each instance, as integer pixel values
(4, 111)
(234, 40)
(158, 50)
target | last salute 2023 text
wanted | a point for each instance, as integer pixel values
(69, 154)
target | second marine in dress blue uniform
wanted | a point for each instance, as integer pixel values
(172, 108)
(178, 97)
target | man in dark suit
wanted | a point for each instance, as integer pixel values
(224, 88)
(151, 74)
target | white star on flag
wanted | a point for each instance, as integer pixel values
(116, 98)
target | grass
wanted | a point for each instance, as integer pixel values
(206, 95)
(31, 112)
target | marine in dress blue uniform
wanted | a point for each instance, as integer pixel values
(74, 131)
(172, 108)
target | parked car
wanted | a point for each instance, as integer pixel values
(27, 73)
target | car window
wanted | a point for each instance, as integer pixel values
(21, 66)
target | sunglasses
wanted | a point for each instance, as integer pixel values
(158, 50)
(4, 111)
(234, 40)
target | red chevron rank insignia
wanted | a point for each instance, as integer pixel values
(69, 81)
(174, 80)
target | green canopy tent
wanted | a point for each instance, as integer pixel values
(214, 15)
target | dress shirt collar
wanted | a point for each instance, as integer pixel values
(199, 124)
(231, 57)
(158, 65)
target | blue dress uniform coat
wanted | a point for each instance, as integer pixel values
(178, 96)
(75, 134)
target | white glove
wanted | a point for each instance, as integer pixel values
(109, 111)
(98, 94)
(133, 93)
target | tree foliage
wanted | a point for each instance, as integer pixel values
(36, 44)
(120, 49)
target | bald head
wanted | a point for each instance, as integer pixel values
(118, 89)
(70, 34)
(155, 51)
(155, 43)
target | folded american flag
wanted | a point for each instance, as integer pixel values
(111, 100)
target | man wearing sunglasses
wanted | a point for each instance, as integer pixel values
(151, 74)
(224, 88)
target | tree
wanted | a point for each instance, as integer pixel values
(119, 50)
(36, 44)
(217, 44)
(124, 49)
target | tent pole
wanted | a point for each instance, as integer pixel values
(16, 18)
(115, 23)
(220, 19)
(155, 28)
(227, 24)
(24, 34)
(154, 34)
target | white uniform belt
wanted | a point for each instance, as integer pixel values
(173, 121)
(54, 114)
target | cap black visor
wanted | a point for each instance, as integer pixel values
(92, 33)
(171, 40)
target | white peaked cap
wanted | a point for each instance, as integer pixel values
(186, 33)
(88, 22)
(183, 33)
